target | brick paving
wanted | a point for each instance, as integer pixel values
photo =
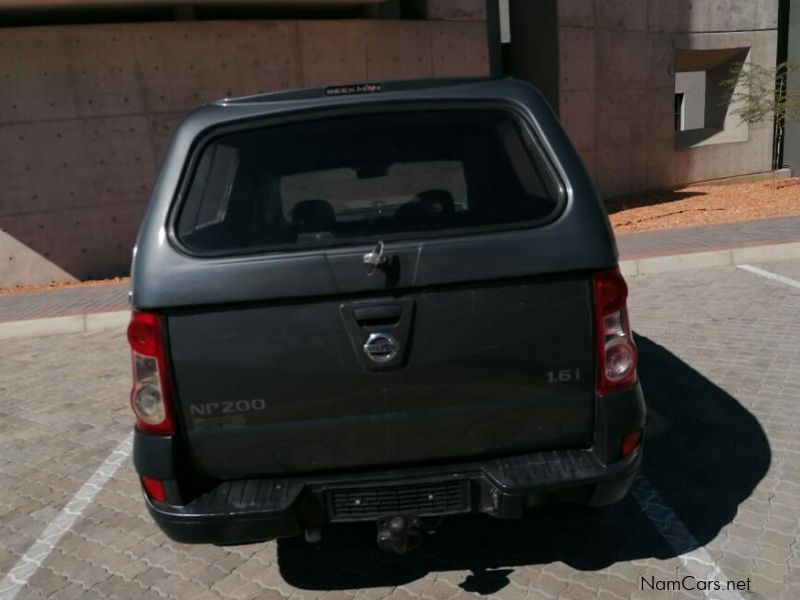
(709, 237)
(63, 302)
(721, 376)
(114, 297)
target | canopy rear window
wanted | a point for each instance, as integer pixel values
(359, 179)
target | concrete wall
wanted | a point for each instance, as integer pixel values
(455, 10)
(617, 82)
(86, 112)
(22, 266)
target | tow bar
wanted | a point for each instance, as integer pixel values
(402, 533)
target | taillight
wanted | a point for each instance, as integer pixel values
(154, 488)
(629, 442)
(150, 394)
(616, 352)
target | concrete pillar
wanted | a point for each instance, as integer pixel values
(534, 45)
(791, 140)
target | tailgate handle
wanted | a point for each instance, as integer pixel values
(376, 316)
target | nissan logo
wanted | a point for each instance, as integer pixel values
(381, 347)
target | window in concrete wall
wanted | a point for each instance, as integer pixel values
(691, 86)
(708, 113)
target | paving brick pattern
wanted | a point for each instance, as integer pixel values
(709, 237)
(721, 370)
(67, 301)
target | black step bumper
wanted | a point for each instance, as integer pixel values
(246, 511)
(253, 510)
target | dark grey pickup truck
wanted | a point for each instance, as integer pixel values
(385, 301)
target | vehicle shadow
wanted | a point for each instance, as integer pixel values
(704, 452)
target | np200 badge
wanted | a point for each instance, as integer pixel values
(214, 409)
(381, 347)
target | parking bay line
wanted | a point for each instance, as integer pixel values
(29, 563)
(770, 275)
(694, 558)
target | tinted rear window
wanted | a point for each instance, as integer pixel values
(364, 178)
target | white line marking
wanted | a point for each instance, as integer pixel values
(692, 555)
(771, 275)
(30, 562)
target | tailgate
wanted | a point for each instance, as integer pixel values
(479, 370)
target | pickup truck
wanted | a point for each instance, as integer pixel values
(388, 302)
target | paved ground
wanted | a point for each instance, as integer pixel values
(709, 237)
(721, 370)
(114, 297)
(62, 302)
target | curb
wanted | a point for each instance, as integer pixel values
(68, 324)
(629, 268)
(714, 258)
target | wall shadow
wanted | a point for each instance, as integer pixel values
(704, 453)
(620, 203)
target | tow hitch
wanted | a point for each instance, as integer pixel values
(402, 533)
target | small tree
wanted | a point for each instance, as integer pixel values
(760, 93)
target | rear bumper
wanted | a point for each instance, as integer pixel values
(246, 511)
(253, 510)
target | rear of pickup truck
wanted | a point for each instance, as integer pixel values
(392, 307)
